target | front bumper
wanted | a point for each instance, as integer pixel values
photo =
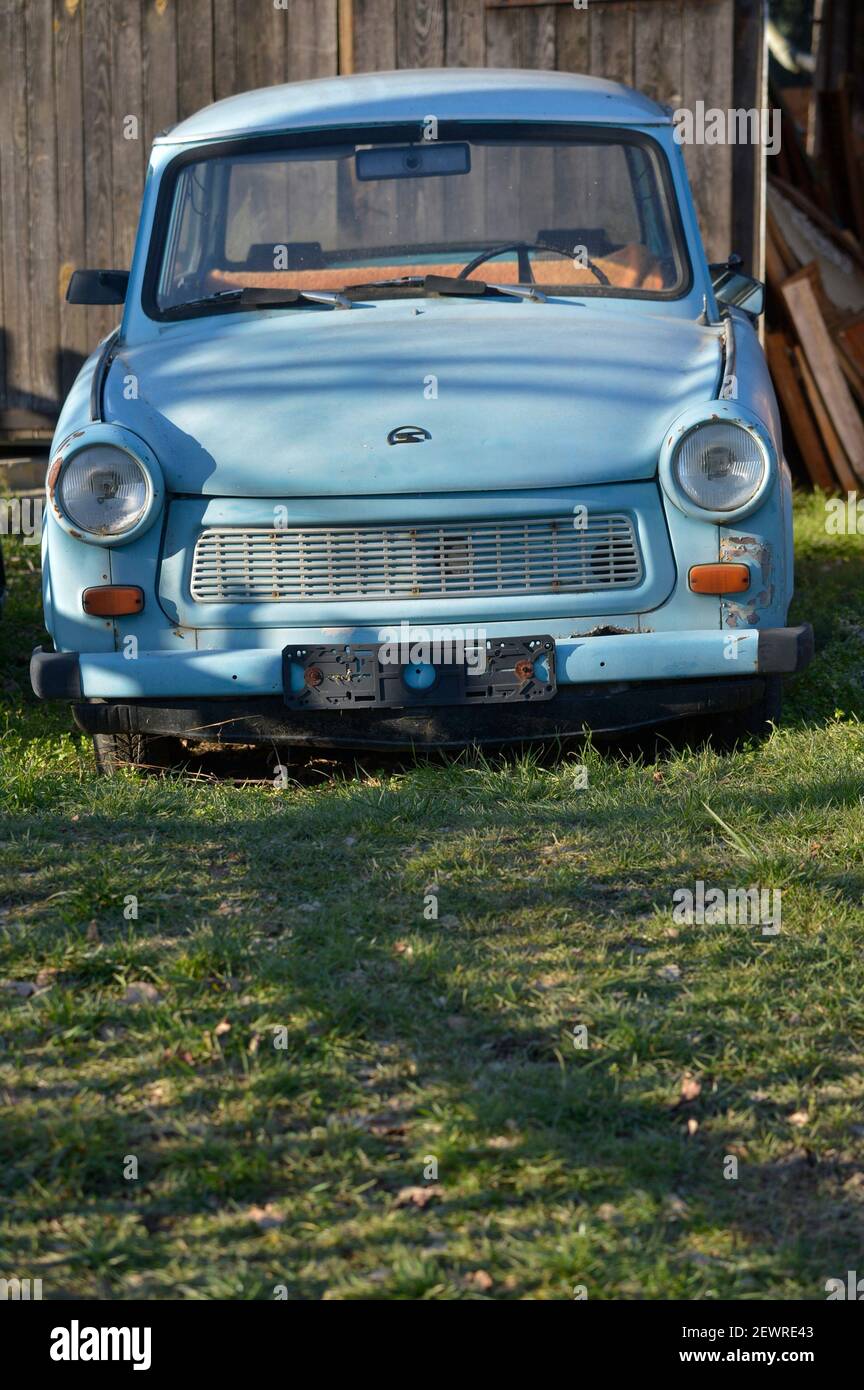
(605, 682)
(606, 659)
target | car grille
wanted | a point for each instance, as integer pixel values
(543, 556)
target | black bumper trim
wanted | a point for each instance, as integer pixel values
(55, 675)
(605, 709)
(783, 650)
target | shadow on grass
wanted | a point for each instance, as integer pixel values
(596, 1134)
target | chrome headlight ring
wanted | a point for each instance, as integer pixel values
(679, 441)
(104, 485)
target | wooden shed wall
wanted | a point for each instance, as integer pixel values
(75, 70)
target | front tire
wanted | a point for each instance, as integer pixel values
(726, 732)
(143, 752)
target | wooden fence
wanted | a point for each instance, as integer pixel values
(86, 84)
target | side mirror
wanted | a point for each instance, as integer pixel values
(732, 286)
(97, 287)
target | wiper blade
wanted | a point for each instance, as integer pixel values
(456, 285)
(398, 282)
(206, 300)
(258, 297)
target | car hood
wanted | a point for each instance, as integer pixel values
(300, 402)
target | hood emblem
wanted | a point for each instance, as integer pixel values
(408, 434)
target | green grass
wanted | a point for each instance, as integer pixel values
(407, 1040)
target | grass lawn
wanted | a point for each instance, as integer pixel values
(311, 1046)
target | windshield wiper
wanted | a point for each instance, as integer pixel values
(255, 297)
(400, 282)
(205, 302)
(260, 298)
(456, 285)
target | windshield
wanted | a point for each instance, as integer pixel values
(571, 211)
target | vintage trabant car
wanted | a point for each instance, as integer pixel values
(426, 423)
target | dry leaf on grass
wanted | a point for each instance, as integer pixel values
(266, 1217)
(419, 1196)
(691, 1088)
(607, 1212)
(222, 1028)
(479, 1279)
(670, 972)
(800, 1118)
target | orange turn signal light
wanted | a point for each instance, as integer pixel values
(113, 600)
(719, 579)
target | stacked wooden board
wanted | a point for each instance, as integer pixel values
(814, 267)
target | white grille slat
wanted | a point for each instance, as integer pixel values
(260, 564)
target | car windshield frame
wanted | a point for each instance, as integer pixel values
(519, 131)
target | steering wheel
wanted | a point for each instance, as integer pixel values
(526, 275)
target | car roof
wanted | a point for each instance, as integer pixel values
(381, 98)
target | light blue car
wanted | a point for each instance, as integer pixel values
(426, 424)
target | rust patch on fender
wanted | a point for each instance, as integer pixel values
(607, 632)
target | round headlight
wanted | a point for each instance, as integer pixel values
(103, 490)
(720, 465)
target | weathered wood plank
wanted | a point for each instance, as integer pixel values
(73, 345)
(537, 44)
(42, 158)
(707, 77)
(748, 173)
(159, 53)
(194, 56)
(312, 42)
(261, 35)
(127, 126)
(830, 437)
(15, 208)
(465, 39)
(800, 420)
(801, 302)
(503, 37)
(420, 33)
(98, 200)
(611, 44)
(573, 39)
(225, 82)
(374, 35)
(345, 36)
(657, 50)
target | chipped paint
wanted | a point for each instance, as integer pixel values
(758, 554)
